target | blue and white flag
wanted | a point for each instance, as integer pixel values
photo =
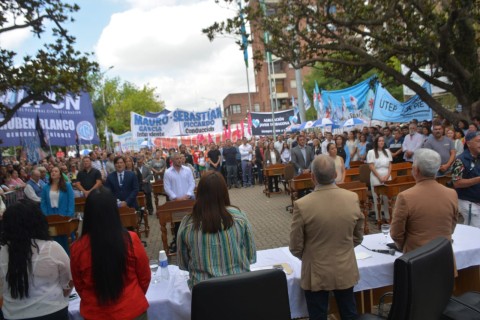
(387, 108)
(341, 105)
(294, 106)
(306, 100)
(317, 101)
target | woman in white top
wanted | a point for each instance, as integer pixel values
(285, 154)
(352, 146)
(339, 164)
(380, 163)
(35, 276)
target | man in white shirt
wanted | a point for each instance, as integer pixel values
(329, 139)
(179, 184)
(412, 142)
(279, 144)
(246, 153)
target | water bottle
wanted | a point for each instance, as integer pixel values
(163, 264)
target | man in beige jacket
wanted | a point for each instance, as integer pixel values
(327, 224)
(426, 211)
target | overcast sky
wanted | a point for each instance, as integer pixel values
(160, 43)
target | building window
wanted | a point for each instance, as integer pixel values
(226, 112)
(293, 84)
(236, 108)
(256, 107)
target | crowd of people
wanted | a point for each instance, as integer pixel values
(107, 261)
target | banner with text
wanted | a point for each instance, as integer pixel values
(176, 123)
(387, 108)
(262, 124)
(61, 122)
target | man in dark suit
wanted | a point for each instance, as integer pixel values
(302, 156)
(146, 186)
(188, 156)
(123, 184)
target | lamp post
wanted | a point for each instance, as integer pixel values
(107, 140)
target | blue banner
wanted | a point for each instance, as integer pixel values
(387, 108)
(352, 102)
(61, 122)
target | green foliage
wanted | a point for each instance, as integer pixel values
(114, 100)
(358, 38)
(56, 67)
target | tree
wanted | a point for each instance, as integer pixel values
(120, 99)
(56, 68)
(355, 37)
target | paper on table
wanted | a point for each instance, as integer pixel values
(282, 266)
(362, 255)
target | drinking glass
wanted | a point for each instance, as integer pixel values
(153, 269)
(386, 230)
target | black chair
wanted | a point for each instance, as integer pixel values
(251, 295)
(422, 283)
(464, 307)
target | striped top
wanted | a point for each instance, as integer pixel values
(209, 255)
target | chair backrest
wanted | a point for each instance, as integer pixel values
(170, 212)
(129, 218)
(423, 282)
(289, 172)
(255, 295)
(364, 174)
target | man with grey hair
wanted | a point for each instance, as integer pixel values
(34, 186)
(427, 210)
(323, 237)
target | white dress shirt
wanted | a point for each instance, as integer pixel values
(178, 183)
(245, 152)
(411, 143)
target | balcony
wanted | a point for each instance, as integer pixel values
(280, 95)
(281, 75)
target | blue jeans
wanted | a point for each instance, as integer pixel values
(317, 304)
(246, 173)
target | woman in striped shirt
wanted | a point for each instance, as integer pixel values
(216, 239)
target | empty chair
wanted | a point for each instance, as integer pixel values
(256, 295)
(422, 283)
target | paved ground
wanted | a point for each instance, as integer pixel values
(270, 221)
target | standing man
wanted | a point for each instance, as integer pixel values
(279, 144)
(412, 141)
(302, 156)
(146, 186)
(246, 154)
(323, 237)
(89, 178)
(328, 140)
(396, 146)
(443, 146)
(123, 184)
(466, 180)
(34, 186)
(230, 156)
(426, 211)
(179, 184)
(188, 156)
(214, 158)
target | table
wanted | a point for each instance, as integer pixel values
(274, 170)
(171, 299)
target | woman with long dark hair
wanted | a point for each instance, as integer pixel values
(215, 229)
(35, 271)
(380, 163)
(109, 264)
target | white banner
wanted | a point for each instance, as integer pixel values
(176, 123)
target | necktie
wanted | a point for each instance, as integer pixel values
(121, 179)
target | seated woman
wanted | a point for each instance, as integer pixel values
(34, 271)
(226, 230)
(110, 267)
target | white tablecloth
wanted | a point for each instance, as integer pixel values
(171, 299)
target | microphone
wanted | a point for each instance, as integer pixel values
(384, 251)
